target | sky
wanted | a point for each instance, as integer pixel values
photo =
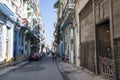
(48, 14)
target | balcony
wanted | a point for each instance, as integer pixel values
(24, 24)
(70, 6)
(7, 12)
(67, 14)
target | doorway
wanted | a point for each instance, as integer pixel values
(7, 45)
(103, 47)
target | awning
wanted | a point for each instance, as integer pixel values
(6, 11)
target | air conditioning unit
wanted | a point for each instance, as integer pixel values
(71, 6)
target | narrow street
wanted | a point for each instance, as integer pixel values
(46, 69)
(59, 40)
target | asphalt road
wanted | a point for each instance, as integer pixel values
(45, 69)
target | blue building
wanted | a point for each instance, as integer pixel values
(6, 33)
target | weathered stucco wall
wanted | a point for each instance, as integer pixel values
(87, 31)
(87, 28)
(116, 18)
(87, 42)
(87, 37)
(116, 22)
(101, 11)
(84, 19)
(78, 7)
(67, 41)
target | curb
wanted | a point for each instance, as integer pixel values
(65, 77)
(11, 68)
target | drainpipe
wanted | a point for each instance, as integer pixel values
(112, 39)
(96, 55)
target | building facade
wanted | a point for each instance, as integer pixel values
(97, 40)
(19, 29)
(96, 34)
(64, 30)
(7, 30)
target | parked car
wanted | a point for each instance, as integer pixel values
(34, 57)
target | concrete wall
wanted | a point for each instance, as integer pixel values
(7, 48)
(87, 34)
(66, 34)
(87, 43)
(64, 2)
(4, 42)
(116, 22)
(78, 7)
(87, 37)
(101, 11)
(116, 16)
(10, 54)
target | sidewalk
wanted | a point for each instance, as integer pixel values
(7, 69)
(73, 73)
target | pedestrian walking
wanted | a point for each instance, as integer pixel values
(53, 56)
